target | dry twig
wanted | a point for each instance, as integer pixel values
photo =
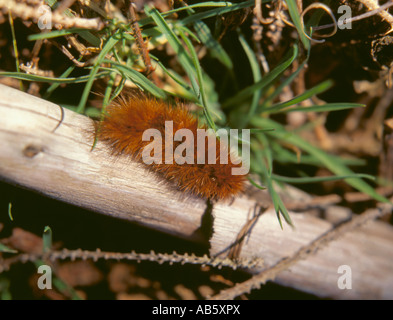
(27, 12)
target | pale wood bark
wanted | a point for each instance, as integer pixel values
(56, 159)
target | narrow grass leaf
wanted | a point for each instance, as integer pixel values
(258, 130)
(319, 179)
(90, 38)
(198, 69)
(179, 80)
(319, 88)
(177, 46)
(33, 77)
(257, 76)
(279, 206)
(218, 11)
(282, 85)
(5, 249)
(66, 289)
(259, 162)
(326, 160)
(326, 107)
(53, 34)
(255, 184)
(108, 91)
(47, 239)
(138, 78)
(10, 211)
(266, 152)
(15, 46)
(295, 16)
(216, 49)
(283, 155)
(265, 81)
(148, 20)
(111, 42)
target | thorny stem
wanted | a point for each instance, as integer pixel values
(152, 256)
(139, 39)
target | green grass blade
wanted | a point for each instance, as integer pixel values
(184, 58)
(5, 249)
(325, 159)
(198, 69)
(255, 184)
(186, 30)
(33, 77)
(319, 88)
(295, 16)
(111, 42)
(138, 78)
(108, 91)
(188, 92)
(282, 85)
(54, 86)
(118, 89)
(283, 155)
(10, 211)
(262, 164)
(15, 47)
(53, 34)
(266, 152)
(320, 179)
(200, 5)
(256, 72)
(278, 205)
(216, 49)
(85, 34)
(326, 107)
(265, 81)
(90, 38)
(47, 239)
(258, 130)
(173, 40)
(217, 4)
(263, 172)
(218, 11)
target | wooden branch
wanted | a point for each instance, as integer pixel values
(55, 158)
(311, 256)
(26, 12)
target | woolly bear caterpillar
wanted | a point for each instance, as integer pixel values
(123, 129)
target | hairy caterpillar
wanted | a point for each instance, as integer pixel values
(123, 129)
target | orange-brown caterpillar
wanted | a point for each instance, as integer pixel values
(122, 128)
